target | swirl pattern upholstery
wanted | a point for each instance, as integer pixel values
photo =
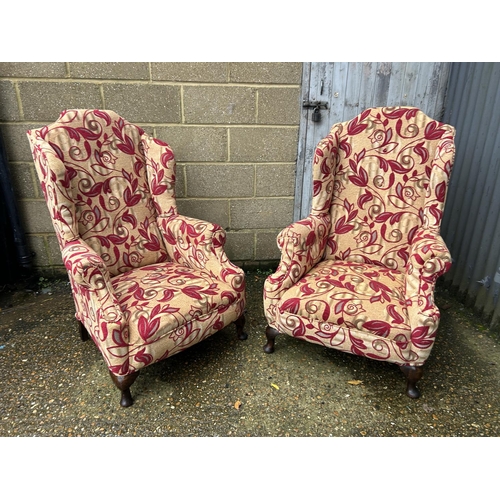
(358, 274)
(147, 282)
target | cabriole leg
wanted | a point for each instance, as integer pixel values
(413, 374)
(84, 334)
(123, 383)
(271, 334)
(240, 324)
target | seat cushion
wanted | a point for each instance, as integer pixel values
(157, 300)
(364, 297)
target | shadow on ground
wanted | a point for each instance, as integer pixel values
(53, 384)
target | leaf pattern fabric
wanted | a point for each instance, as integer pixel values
(361, 277)
(147, 282)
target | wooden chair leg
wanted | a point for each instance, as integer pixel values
(413, 374)
(240, 325)
(84, 334)
(123, 383)
(271, 334)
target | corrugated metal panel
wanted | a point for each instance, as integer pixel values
(471, 220)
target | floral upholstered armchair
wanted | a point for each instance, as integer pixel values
(358, 273)
(147, 282)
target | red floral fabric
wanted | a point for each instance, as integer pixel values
(358, 274)
(147, 282)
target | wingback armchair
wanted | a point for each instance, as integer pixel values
(358, 274)
(147, 282)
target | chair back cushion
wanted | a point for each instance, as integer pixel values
(382, 176)
(93, 174)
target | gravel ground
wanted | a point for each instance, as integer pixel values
(53, 384)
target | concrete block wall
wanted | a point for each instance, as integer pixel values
(233, 128)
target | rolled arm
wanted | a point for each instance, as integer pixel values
(199, 244)
(429, 259)
(89, 274)
(429, 256)
(302, 246)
